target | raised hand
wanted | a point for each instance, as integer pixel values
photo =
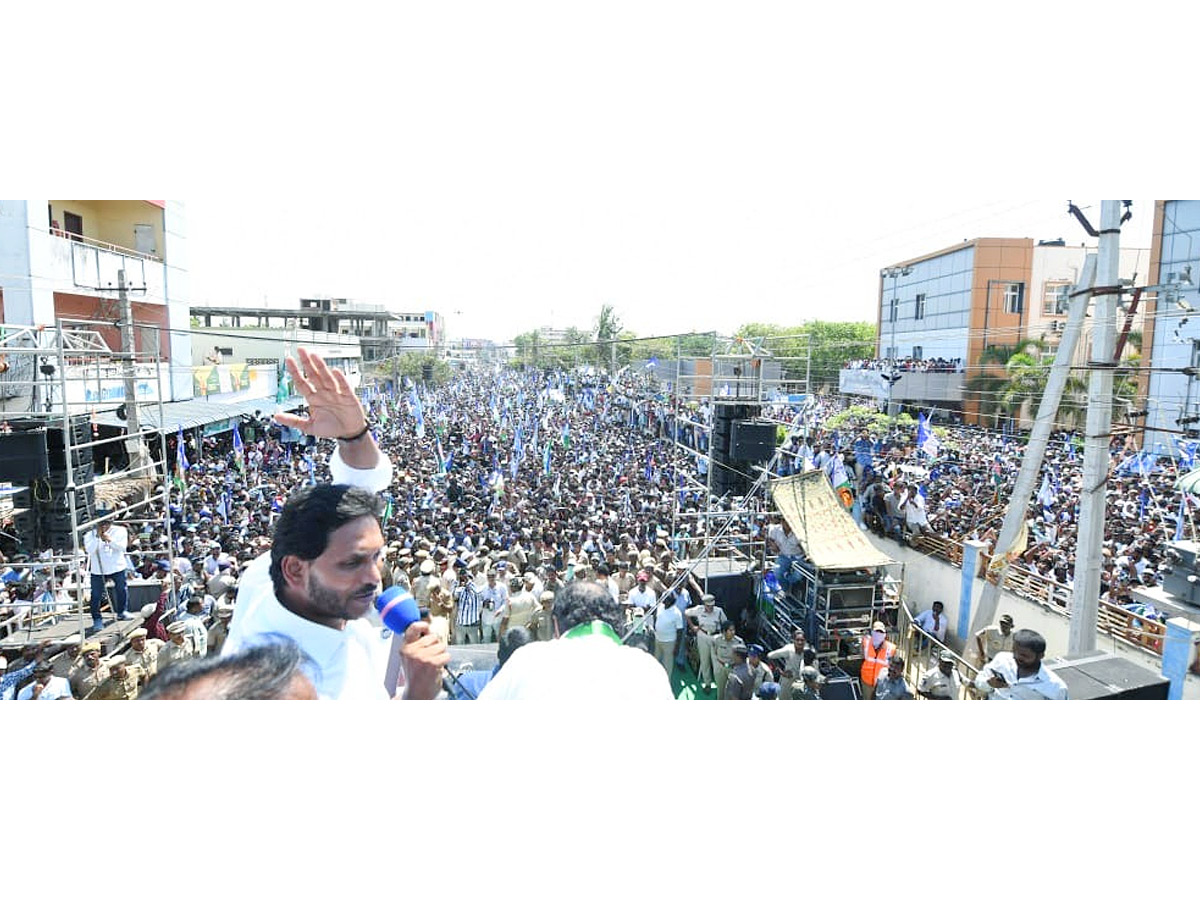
(333, 410)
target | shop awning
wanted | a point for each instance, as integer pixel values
(196, 413)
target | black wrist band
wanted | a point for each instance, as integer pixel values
(355, 437)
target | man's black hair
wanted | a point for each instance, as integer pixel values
(310, 515)
(1030, 639)
(510, 641)
(586, 601)
(262, 672)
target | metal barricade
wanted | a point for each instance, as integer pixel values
(922, 651)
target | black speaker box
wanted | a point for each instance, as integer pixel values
(752, 441)
(1103, 676)
(23, 455)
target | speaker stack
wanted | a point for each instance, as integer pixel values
(34, 457)
(737, 444)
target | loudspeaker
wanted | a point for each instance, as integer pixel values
(752, 441)
(1103, 676)
(23, 455)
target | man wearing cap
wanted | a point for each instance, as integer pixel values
(877, 650)
(542, 624)
(642, 596)
(747, 677)
(320, 578)
(46, 685)
(890, 685)
(178, 646)
(219, 630)
(943, 682)
(808, 687)
(706, 622)
(105, 547)
(122, 682)
(739, 684)
(995, 639)
(522, 605)
(586, 660)
(425, 580)
(143, 653)
(723, 659)
(791, 657)
(624, 581)
(87, 673)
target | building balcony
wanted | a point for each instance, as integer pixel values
(90, 268)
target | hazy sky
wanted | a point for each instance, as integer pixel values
(496, 264)
(697, 165)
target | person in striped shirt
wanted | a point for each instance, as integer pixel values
(469, 608)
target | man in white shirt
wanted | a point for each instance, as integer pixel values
(105, 547)
(941, 683)
(318, 583)
(781, 537)
(586, 661)
(933, 621)
(643, 597)
(668, 625)
(46, 686)
(1020, 675)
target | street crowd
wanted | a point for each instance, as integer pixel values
(510, 484)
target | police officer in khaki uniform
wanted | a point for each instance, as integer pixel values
(541, 624)
(178, 649)
(88, 673)
(143, 653)
(424, 582)
(219, 630)
(706, 622)
(792, 658)
(122, 681)
(722, 647)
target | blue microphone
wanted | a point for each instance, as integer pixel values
(398, 609)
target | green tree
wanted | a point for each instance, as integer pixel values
(607, 328)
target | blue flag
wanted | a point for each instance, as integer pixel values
(181, 462)
(546, 459)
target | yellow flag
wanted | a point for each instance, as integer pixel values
(1013, 553)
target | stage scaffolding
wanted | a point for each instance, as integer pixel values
(57, 378)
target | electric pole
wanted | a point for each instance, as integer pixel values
(133, 442)
(1035, 450)
(1085, 598)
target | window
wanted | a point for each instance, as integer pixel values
(917, 352)
(895, 310)
(1012, 297)
(919, 309)
(1054, 298)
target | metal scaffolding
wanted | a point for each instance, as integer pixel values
(54, 379)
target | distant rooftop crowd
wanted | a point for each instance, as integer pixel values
(909, 364)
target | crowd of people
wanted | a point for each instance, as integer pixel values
(908, 364)
(506, 485)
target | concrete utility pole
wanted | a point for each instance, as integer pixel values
(1085, 599)
(1039, 437)
(133, 444)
